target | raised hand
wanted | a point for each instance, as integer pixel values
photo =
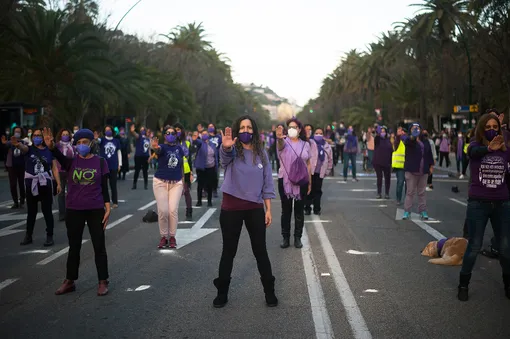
(279, 132)
(48, 137)
(155, 143)
(226, 138)
(132, 128)
(14, 141)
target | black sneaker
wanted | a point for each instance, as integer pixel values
(49, 241)
(26, 241)
(15, 206)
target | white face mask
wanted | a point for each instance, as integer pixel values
(444, 135)
(293, 133)
(460, 135)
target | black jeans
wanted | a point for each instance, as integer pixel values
(445, 156)
(207, 179)
(45, 196)
(75, 224)
(17, 179)
(379, 171)
(315, 195)
(299, 211)
(113, 186)
(141, 163)
(340, 152)
(465, 163)
(231, 223)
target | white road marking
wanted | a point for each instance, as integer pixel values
(35, 252)
(458, 201)
(429, 229)
(320, 316)
(7, 282)
(203, 219)
(361, 253)
(370, 290)
(325, 275)
(352, 199)
(21, 223)
(142, 288)
(363, 190)
(147, 206)
(121, 201)
(116, 222)
(312, 221)
(56, 255)
(354, 317)
(186, 222)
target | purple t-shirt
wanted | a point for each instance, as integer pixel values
(84, 191)
(488, 175)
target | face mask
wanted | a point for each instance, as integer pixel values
(76, 131)
(318, 138)
(17, 135)
(178, 134)
(122, 134)
(341, 125)
(205, 137)
(210, 130)
(349, 131)
(460, 135)
(383, 134)
(444, 135)
(245, 137)
(170, 138)
(491, 134)
(37, 140)
(108, 133)
(29, 135)
(415, 132)
(84, 150)
(143, 132)
(65, 138)
(293, 133)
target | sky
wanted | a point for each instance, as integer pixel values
(289, 46)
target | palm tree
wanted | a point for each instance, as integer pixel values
(82, 11)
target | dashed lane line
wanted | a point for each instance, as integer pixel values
(458, 201)
(57, 255)
(7, 282)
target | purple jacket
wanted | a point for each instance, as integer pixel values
(414, 156)
(201, 157)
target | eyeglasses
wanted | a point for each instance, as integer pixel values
(170, 133)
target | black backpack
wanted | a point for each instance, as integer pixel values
(150, 216)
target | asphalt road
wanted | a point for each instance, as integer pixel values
(359, 275)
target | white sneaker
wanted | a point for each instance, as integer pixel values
(428, 189)
(461, 176)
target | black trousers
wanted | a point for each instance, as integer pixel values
(113, 186)
(379, 172)
(445, 156)
(45, 196)
(231, 223)
(17, 179)
(141, 163)
(315, 195)
(299, 211)
(75, 224)
(207, 179)
(340, 152)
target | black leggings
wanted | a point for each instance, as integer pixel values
(45, 196)
(231, 223)
(315, 195)
(207, 179)
(75, 224)
(299, 211)
(17, 179)
(141, 163)
(379, 171)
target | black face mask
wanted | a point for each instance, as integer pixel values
(425, 135)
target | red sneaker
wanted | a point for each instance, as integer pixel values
(162, 242)
(173, 243)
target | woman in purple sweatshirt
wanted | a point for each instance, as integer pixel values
(488, 199)
(65, 147)
(243, 156)
(383, 151)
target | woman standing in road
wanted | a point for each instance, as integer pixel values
(188, 174)
(243, 156)
(66, 148)
(294, 178)
(125, 149)
(350, 151)
(142, 155)
(168, 184)
(110, 151)
(88, 201)
(206, 163)
(40, 172)
(488, 200)
(381, 161)
(15, 164)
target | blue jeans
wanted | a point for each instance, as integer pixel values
(477, 215)
(401, 179)
(352, 157)
(370, 157)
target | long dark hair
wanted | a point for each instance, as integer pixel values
(182, 138)
(480, 130)
(258, 148)
(59, 134)
(302, 133)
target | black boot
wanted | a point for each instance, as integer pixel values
(297, 242)
(222, 297)
(49, 241)
(308, 211)
(268, 284)
(189, 214)
(285, 242)
(506, 282)
(134, 186)
(27, 240)
(463, 289)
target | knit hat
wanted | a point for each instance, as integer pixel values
(83, 134)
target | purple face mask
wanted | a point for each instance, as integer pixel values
(205, 137)
(210, 130)
(171, 138)
(245, 137)
(491, 134)
(108, 133)
(65, 138)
